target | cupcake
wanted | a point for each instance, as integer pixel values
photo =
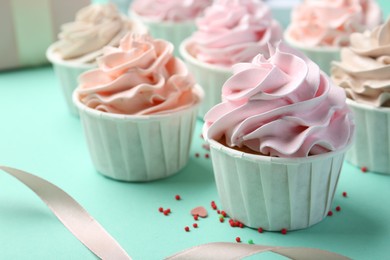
(278, 141)
(231, 31)
(81, 42)
(138, 109)
(172, 20)
(320, 28)
(364, 73)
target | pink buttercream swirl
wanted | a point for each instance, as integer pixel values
(282, 106)
(234, 31)
(140, 77)
(170, 10)
(330, 22)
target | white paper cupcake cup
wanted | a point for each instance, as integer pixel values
(138, 148)
(174, 32)
(372, 150)
(210, 77)
(67, 72)
(275, 193)
(322, 56)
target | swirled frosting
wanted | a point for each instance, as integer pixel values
(364, 70)
(95, 26)
(330, 22)
(233, 31)
(170, 10)
(140, 77)
(282, 106)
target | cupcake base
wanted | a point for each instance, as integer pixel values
(138, 148)
(275, 193)
(372, 150)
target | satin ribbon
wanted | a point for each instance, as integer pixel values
(86, 229)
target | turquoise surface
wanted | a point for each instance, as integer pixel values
(37, 134)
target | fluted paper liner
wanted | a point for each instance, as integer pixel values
(67, 74)
(321, 55)
(210, 77)
(138, 148)
(275, 193)
(372, 150)
(174, 32)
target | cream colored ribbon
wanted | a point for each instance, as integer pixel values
(98, 241)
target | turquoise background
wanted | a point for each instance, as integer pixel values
(37, 134)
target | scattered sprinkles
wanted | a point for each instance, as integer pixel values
(250, 242)
(177, 197)
(330, 213)
(213, 205)
(223, 213)
(195, 225)
(344, 194)
(197, 155)
(238, 239)
(160, 209)
(196, 217)
(284, 231)
(338, 208)
(187, 229)
(260, 230)
(206, 156)
(364, 169)
(221, 220)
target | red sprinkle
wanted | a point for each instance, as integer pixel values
(330, 213)
(284, 231)
(238, 239)
(232, 224)
(221, 220)
(195, 225)
(206, 156)
(160, 209)
(260, 230)
(219, 212)
(338, 208)
(197, 155)
(241, 225)
(223, 213)
(177, 197)
(196, 217)
(364, 169)
(166, 212)
(187, 229)
(344, 194)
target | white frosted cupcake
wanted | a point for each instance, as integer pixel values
(138, 109)
(319, 28)
(81, 42)
(364, 73)
(231, 31)
(278, 141)
(172, 20)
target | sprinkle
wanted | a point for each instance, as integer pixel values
(364, 169)
(223, 213)
(232, 224)
(195, 225)
(169, 210)
(260, 230)
(206, 156)
(166, 212)
(221, 220)
(196, 217)
(187, 229)
(177, 197)
(344, 194)
(284, 231)
(338, 208)
(250, 242)
(206, 147)
(330, 213)
(201, 136)
(238, 239)
(219, 212)
(161, 209)
(241, 225)
(197, 155)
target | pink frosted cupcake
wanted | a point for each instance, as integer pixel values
(231, 31)
(82, 41)
(364, 73)
(278, 141)
(172, 20)
(320, 28)
(138, 109)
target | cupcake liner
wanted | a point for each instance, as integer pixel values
(67, 72)
(275, 193)
(138, 148)
(322, 55)
(170, 31)
(372, 150)
(210, 77)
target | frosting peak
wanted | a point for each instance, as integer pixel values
(95, 26)
(140, 77)
(282, 106)
(364, 70)
(330, 22)
(233, 31)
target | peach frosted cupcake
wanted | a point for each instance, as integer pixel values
(138, 110)
(278, 141)
(172, 20)
(320, 28)
(82, 41)
(364, 73)
(231, 31)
